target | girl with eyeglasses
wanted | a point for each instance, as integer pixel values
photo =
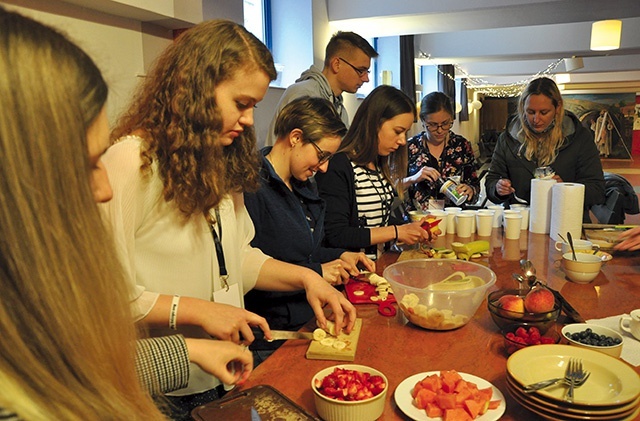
(289, 214)
(438, 152)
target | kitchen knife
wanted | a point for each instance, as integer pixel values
(282, 335)
(568, 308)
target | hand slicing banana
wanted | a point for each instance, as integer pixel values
(326, 338)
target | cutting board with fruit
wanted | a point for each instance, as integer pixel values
(361, 291)
(335, 351)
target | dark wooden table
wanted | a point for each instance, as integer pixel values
(400, 349)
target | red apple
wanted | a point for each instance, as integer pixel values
(511, 306)
(539, 300)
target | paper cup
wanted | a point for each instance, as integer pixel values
(438, 213)
(509, 212)
(512, 224)
(451, 220)
(417, 215)
(497, 216)
(473, 220)
(463, 224)
(524, 211)
(484, 222)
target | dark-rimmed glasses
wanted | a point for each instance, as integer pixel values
(360, 71)
(323, 156)
(433, 127)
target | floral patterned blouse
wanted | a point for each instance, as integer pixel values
(457, 159)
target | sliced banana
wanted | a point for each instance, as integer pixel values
(339, 345)
(319, 334)
(327, 341)
(358, 292)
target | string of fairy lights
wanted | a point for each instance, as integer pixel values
(503, 90)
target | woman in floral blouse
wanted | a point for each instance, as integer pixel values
(438, 152)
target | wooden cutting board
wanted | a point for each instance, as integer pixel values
(317, 351)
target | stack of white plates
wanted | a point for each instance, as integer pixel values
(612, 391)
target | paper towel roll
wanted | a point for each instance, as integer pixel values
(567, 202)
(540, 212)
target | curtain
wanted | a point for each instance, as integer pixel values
(446, 82)
(407, 66)
(464, 101)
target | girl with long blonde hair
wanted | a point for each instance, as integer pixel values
(68, 335)
(67, 349)
(544, 134)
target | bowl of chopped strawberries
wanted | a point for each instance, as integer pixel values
(521, 335)
(349, 392)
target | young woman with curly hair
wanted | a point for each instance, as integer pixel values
(185, 152)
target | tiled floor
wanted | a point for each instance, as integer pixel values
(629, 169)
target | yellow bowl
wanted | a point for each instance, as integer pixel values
(330, 409)
(584, 269)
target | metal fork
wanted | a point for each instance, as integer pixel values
(546, 383)
(574, 374)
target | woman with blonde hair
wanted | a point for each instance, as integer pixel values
(360, 183)
(184, 153)
(544, 134)
(68, 349)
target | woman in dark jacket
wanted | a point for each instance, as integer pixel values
(544, 134)
(288, 213)
(360, 184)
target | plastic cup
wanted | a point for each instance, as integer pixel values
(484, 222)
(497, 216)
(512, 224)
(463, 224)
(473, 220)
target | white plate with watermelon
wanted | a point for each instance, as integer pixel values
(404, 399)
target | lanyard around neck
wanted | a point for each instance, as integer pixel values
(217, 241)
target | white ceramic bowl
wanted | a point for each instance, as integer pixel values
(584, 269)
(439, 294)
(334, 410)
(614, 350)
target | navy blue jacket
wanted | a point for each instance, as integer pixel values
(283, 232)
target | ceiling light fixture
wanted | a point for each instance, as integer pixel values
(605, 35)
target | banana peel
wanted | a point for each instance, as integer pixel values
(464, 251)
